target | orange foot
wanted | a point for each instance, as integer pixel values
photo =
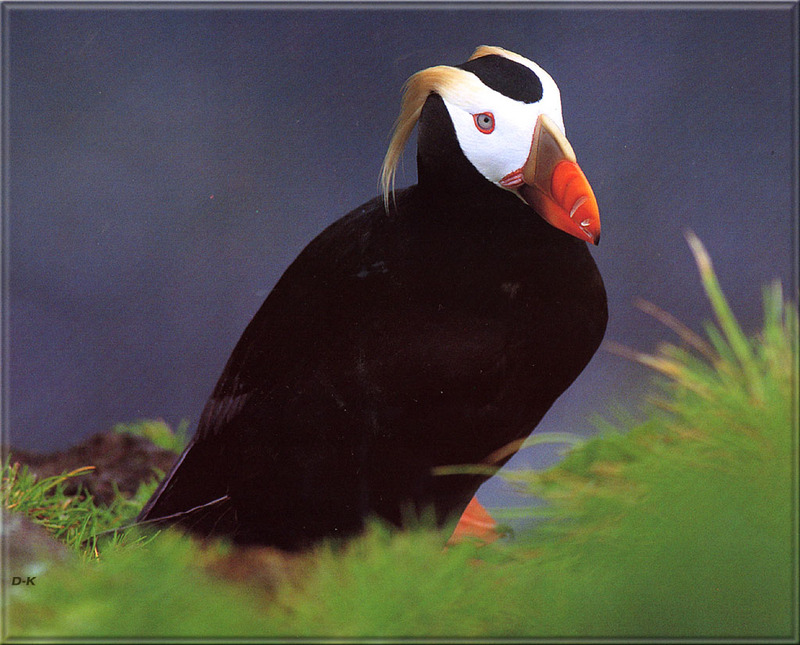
(475, 523)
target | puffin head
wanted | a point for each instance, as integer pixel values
(505, 114)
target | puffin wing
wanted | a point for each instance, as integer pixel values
(296, 326)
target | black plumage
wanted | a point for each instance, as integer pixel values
(433, 334)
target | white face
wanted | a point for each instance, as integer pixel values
(494, 131)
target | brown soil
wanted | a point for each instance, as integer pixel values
(117, 458)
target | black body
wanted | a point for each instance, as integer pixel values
(396, 342)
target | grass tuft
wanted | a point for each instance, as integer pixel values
(158, 432)
(76, 520)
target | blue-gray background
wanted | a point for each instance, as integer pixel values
(165, 167)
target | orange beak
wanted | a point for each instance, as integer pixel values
(555, 186)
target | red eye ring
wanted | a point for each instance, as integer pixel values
(484, 121)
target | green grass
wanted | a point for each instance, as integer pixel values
(75, 520)
(158, 432)
(681, 525)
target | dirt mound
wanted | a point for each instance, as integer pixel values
(118, 458)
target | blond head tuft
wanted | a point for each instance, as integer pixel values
(415, 93)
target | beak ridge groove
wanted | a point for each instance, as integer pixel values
(555, 186)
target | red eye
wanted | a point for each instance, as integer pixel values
(484, 122)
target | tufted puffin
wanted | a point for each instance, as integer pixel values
(432, 326)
